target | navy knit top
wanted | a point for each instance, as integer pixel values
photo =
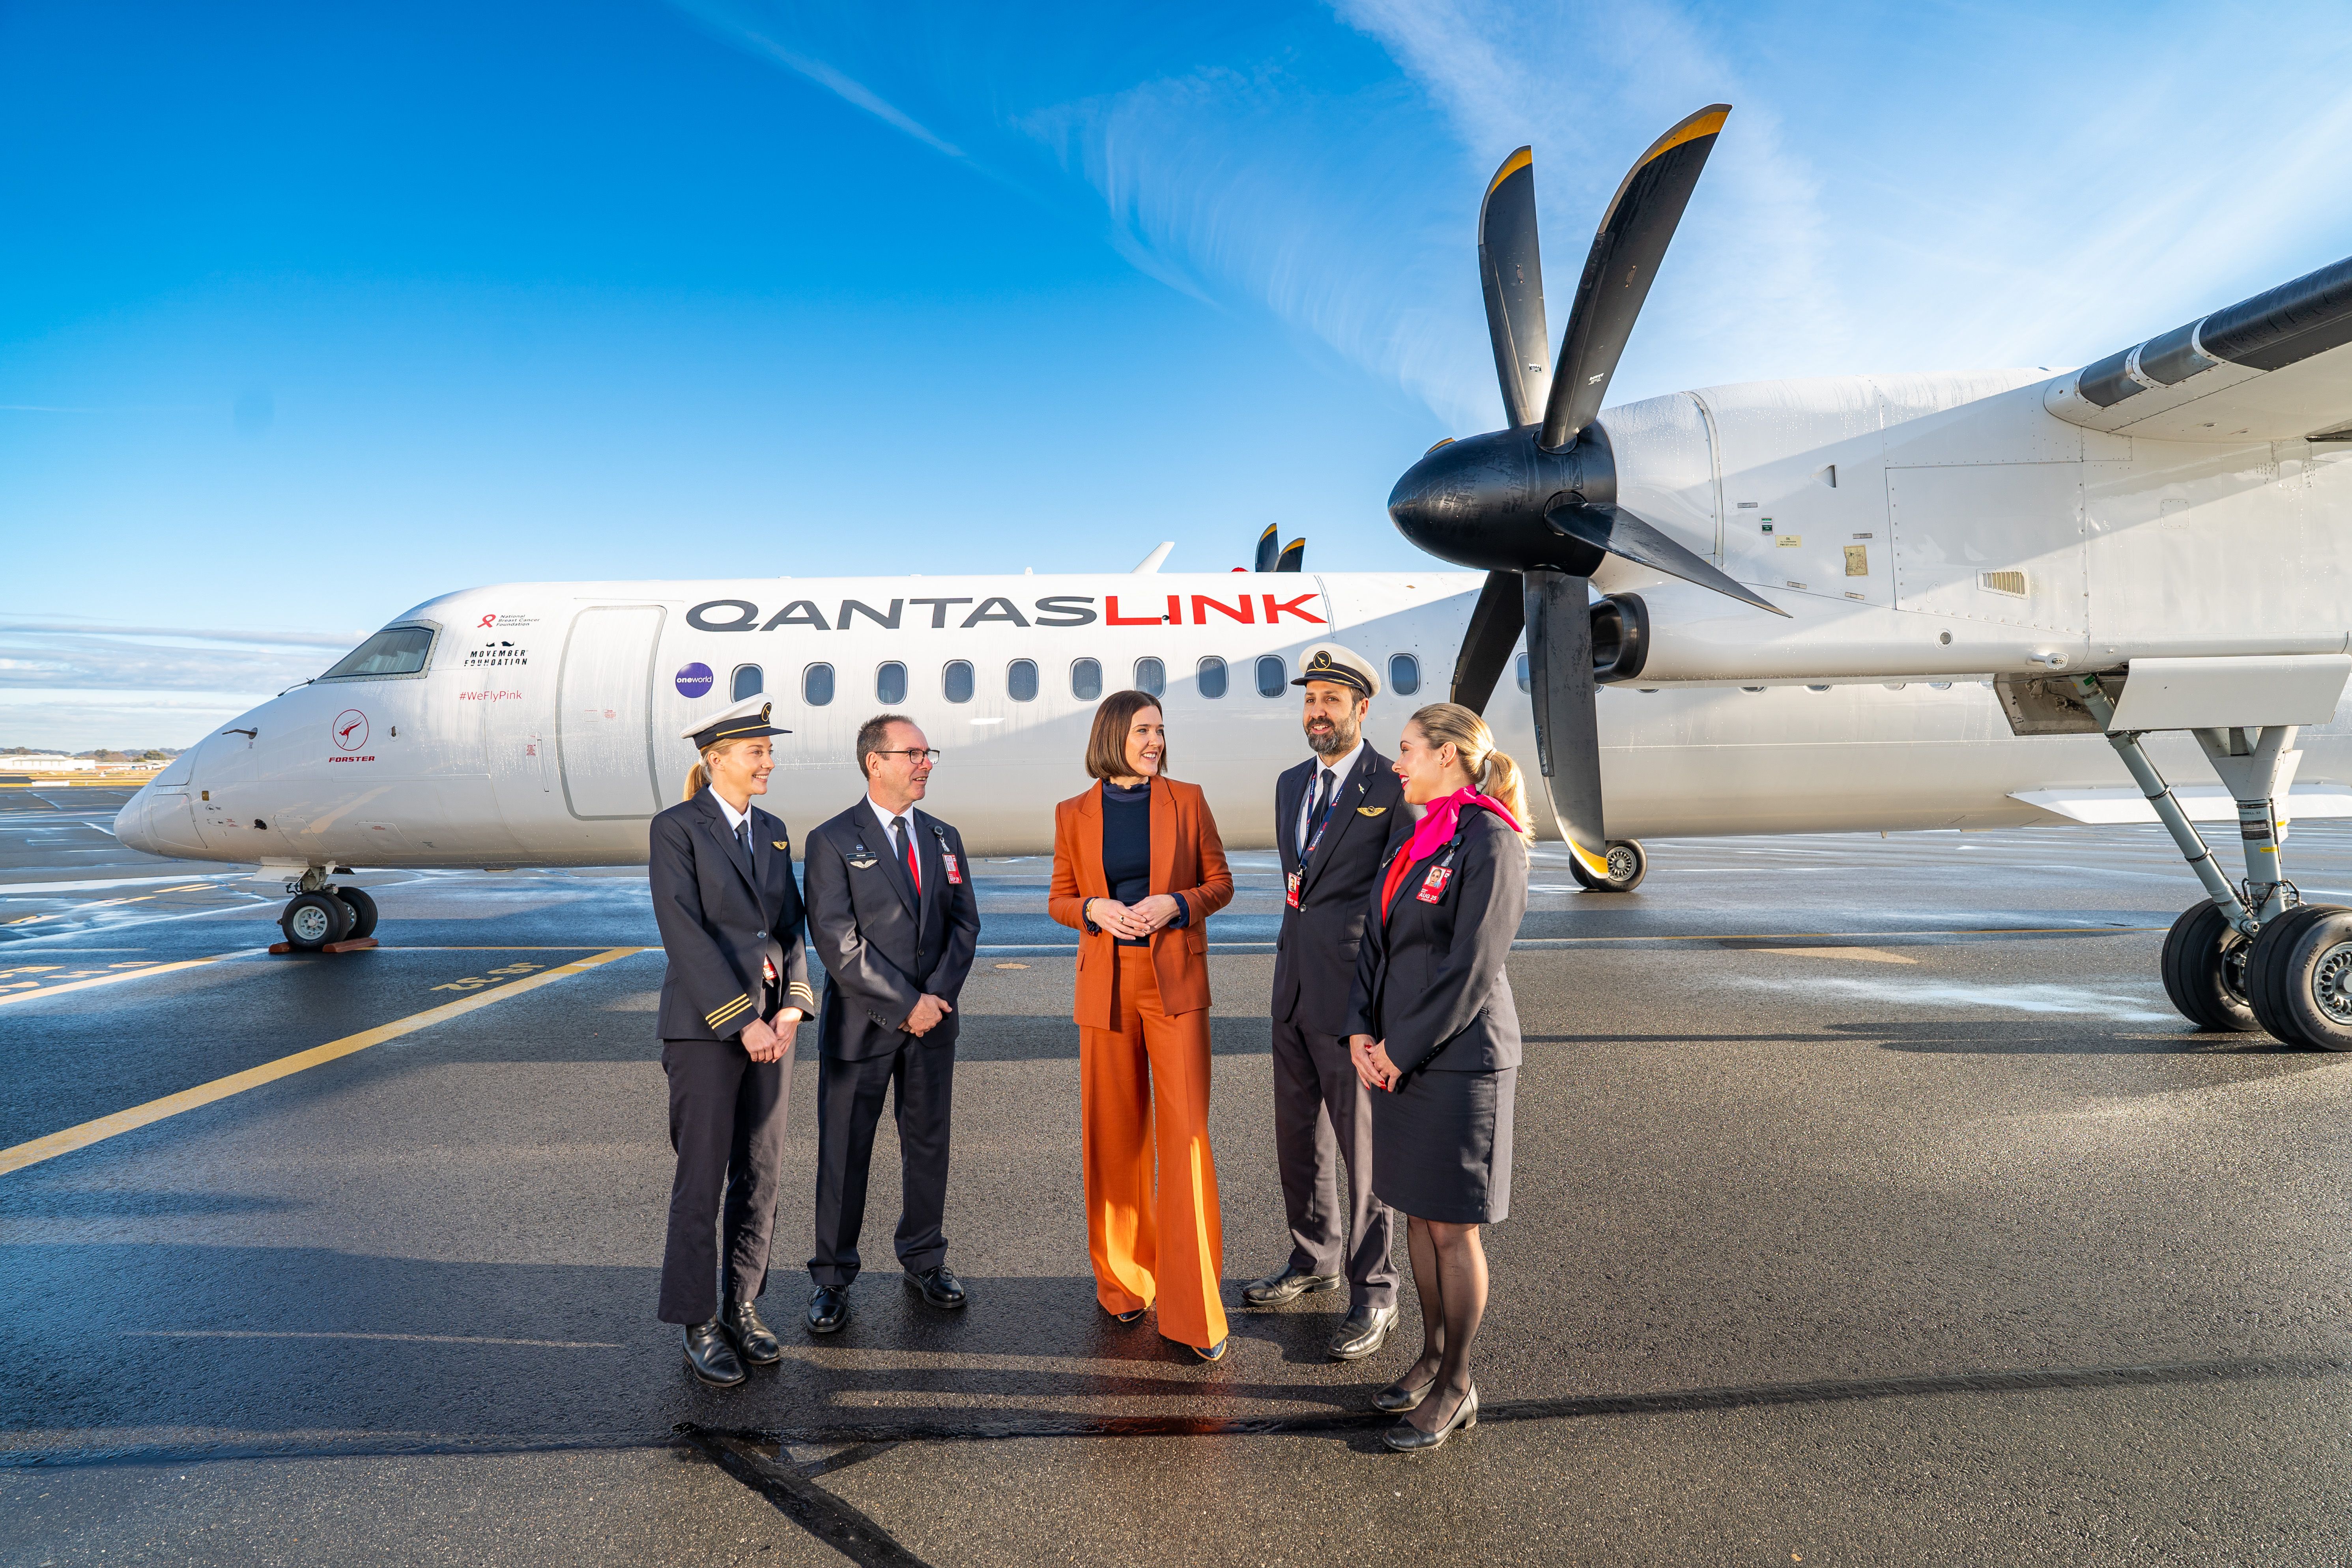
(1126, 850)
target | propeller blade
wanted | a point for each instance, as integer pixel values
(1294, 556)
(1621, 532)
(1496, 622)
(1269, 546)
(1632, 241)
(1568, 729)
(1510, 267)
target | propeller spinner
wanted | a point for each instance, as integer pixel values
(1536, 505)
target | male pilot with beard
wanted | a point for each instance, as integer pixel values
(1338, 817)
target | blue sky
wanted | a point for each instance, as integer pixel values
(310, 312)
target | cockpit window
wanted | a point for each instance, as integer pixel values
(395, 650)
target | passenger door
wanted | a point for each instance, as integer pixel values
(603, 709)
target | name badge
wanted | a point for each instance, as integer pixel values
(955, 872)
(1433, 887)
(1291, 897)
(768, 969)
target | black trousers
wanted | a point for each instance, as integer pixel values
(726, 1125)
(1322, 1113)
(920, 1080)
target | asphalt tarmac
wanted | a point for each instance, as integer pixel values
(1872, 1206)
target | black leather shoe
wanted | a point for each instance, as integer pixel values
(1213, 1352)
(939, 1287)
(1407, 1438)
(1131, 1315)
(1396, 1398)
(1287, 1286)
(710, 1357)
(828, 1308)
(753, 1341)
(1365, 1331)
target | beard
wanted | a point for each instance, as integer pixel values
(1335, 742)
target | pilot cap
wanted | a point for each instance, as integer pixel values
(1341, 667)
(742, 722)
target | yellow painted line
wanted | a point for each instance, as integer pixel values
(154, 1110)
(110, 979)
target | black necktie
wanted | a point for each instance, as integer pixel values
(744, 836)
(1315, 815)
(898, 845)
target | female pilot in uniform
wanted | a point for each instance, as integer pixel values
(736, 988)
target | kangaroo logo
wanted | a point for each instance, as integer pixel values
(351, 729)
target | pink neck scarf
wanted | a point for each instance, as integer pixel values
(1437, 822)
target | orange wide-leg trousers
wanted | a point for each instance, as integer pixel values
(1143, 1088)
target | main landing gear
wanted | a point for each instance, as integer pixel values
(2253, 956)
(1628, 863)
(322, 913)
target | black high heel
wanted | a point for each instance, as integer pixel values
(1396, 1398)
(1407, 1438)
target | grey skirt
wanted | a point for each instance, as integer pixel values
(1442, 1145)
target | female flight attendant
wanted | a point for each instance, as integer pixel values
(1436, 1034)
(736, 989)
(1139, 870)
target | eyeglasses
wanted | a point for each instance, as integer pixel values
(914, 758)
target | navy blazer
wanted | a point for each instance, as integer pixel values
(1430, 981)
(720, 917)
(1315, 952)
(882, 946)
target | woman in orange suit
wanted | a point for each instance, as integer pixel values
(1139, 870)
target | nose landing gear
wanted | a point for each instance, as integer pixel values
(325, 917)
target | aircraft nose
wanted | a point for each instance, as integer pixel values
(131, 823)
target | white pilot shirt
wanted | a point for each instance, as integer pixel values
(1339, 770)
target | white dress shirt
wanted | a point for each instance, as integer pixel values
(1339, 770)
(883, 815)
(735, 821)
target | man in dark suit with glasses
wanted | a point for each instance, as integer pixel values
(891, 914)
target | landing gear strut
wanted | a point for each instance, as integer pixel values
(2252, 956)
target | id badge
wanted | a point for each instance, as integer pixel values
(768, 969)
(955, 872)
(1433, 887)
(1291, 897)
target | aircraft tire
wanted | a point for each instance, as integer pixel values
(363, 912)
(2204, 969)
(311, 920)
(1628, 863)
(2303, 989)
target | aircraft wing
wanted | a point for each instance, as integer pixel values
(2277, 367)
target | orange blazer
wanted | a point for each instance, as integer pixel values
(1187, 859)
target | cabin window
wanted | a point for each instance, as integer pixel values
(1271, 676)
(955, 680)
(749, 681)
(1525, 684)
(890, 684)
(1212, 677)
(395, 650)
(1404, 674)
(1151, 676)
(1021, 681)
(816, 685)
(1086, 678)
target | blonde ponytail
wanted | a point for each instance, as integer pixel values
(698, 779)
(1494, 772)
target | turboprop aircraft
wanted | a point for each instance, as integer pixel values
(1982, 600)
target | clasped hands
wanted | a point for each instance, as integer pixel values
(1372, 1064)
(928, 1011)
(1134, 921)
(765, 1042)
